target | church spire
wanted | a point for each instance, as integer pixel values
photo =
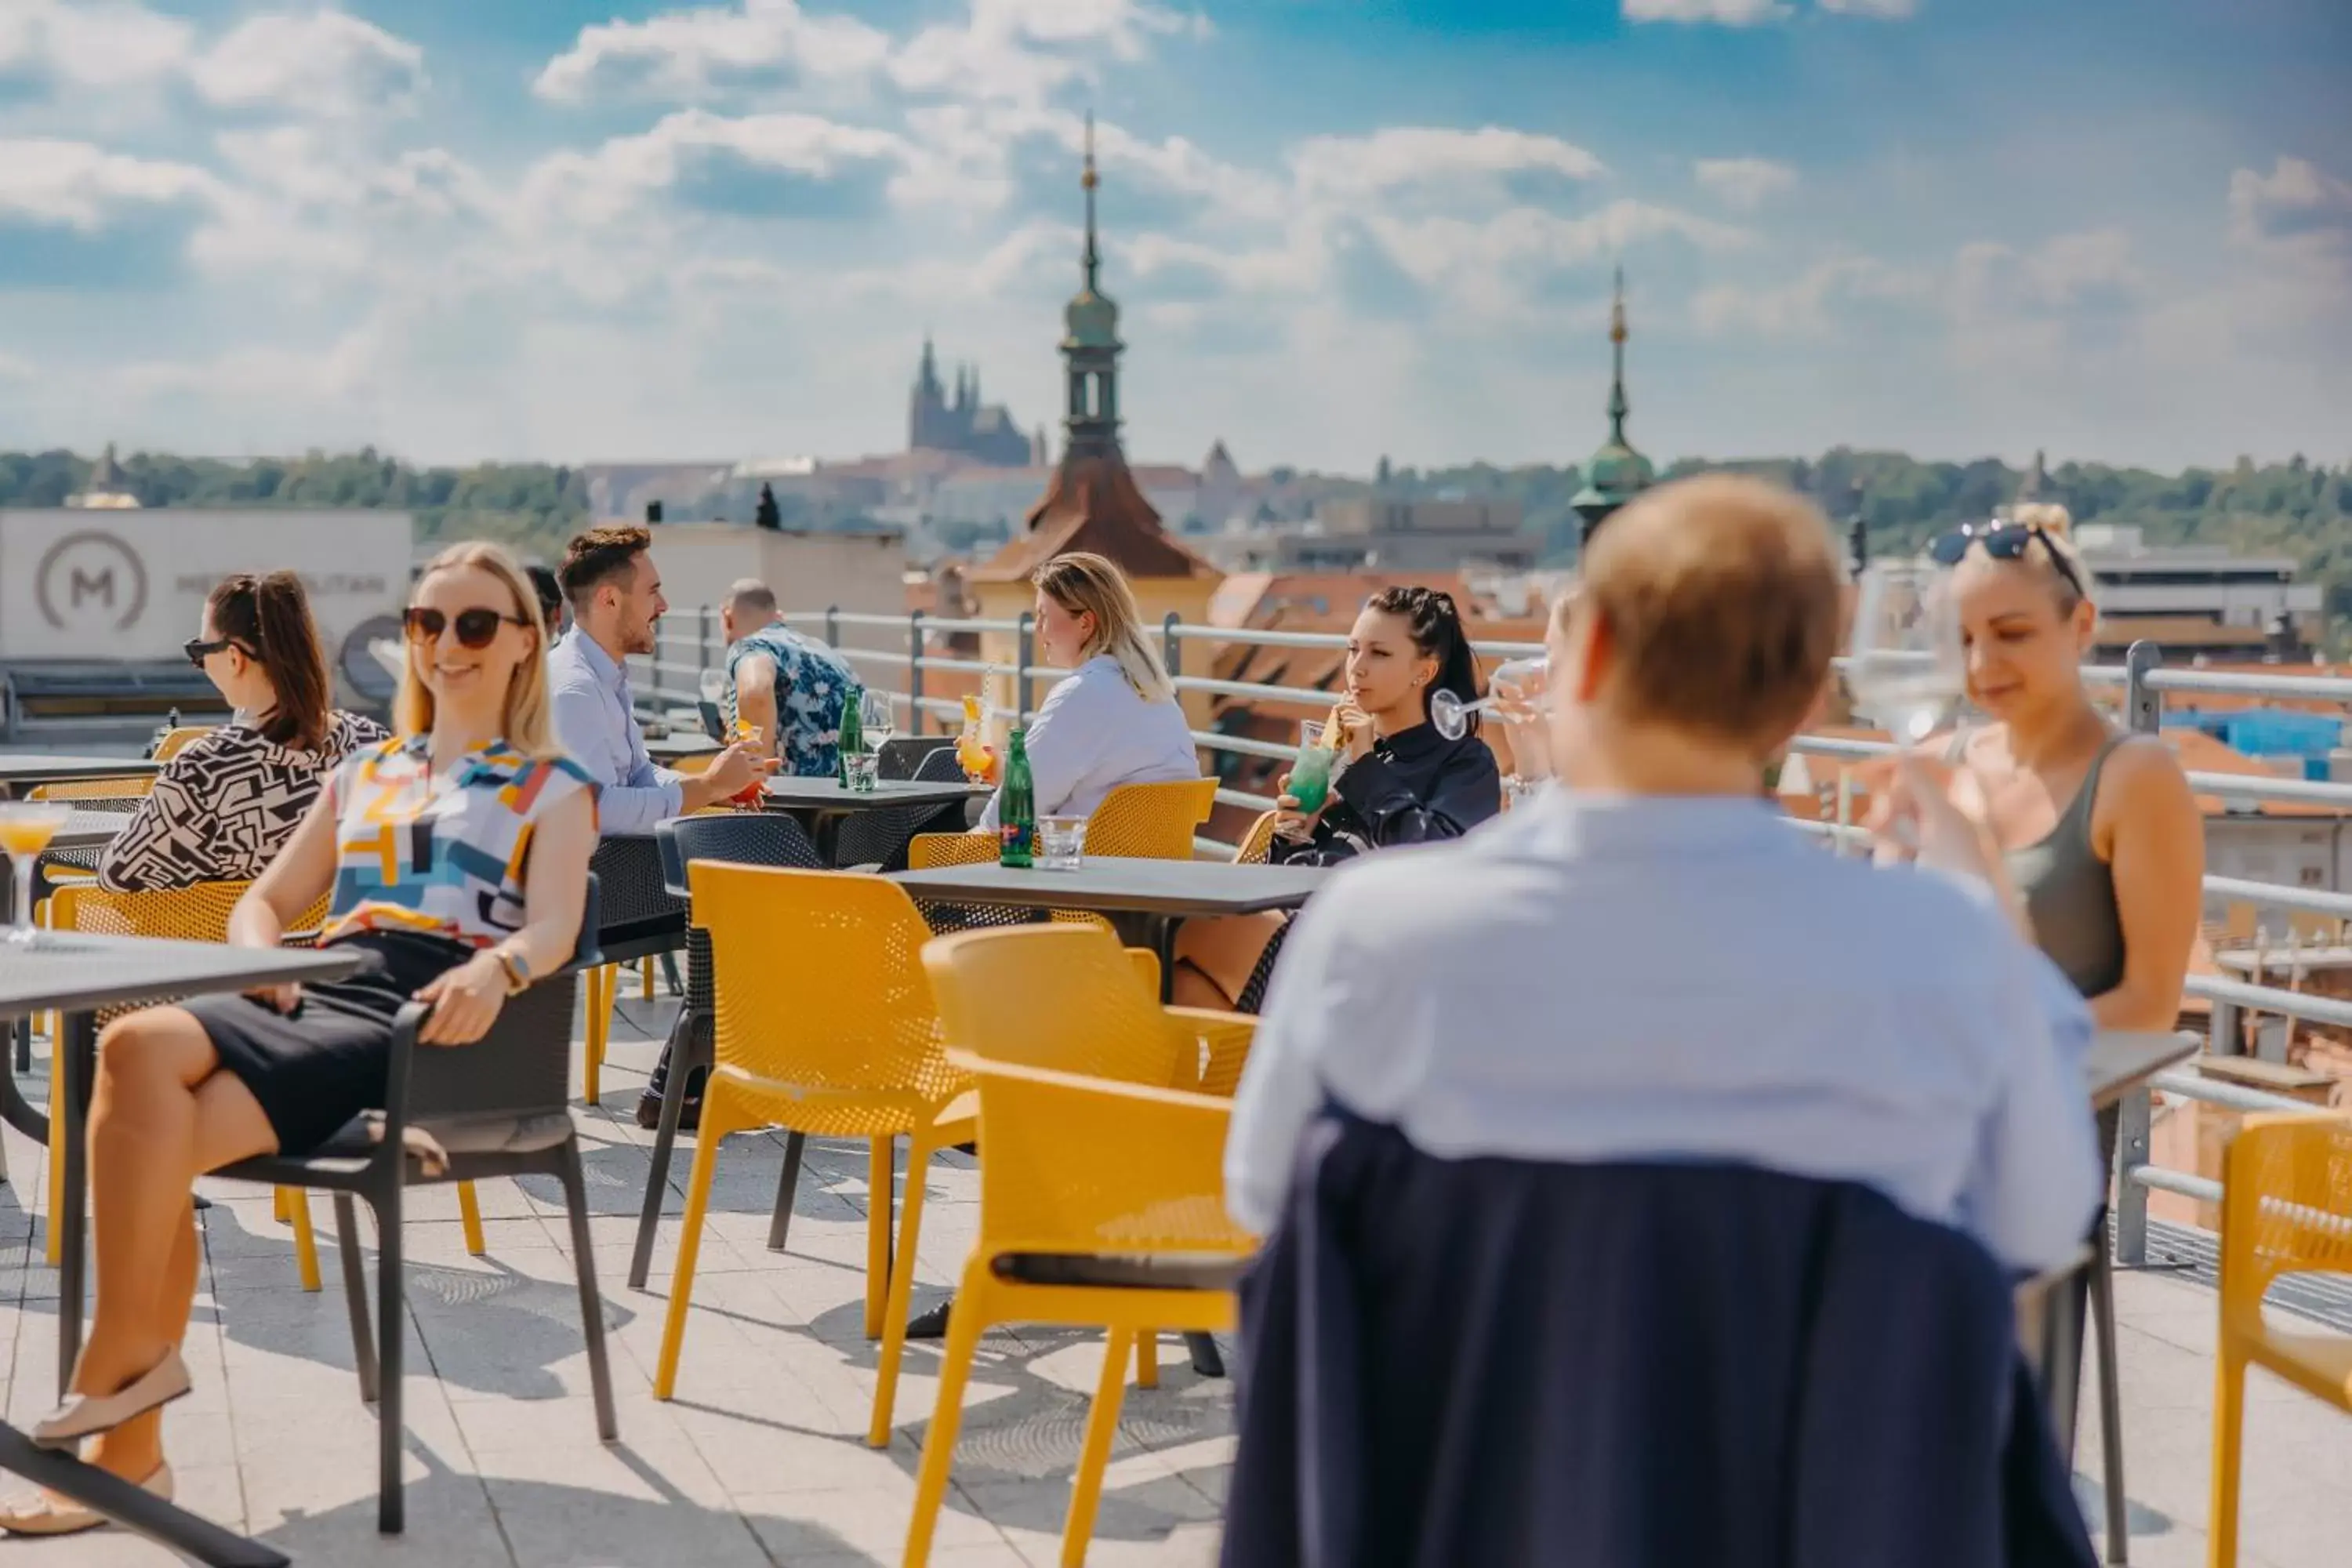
(1088, 180)
(1616, 473)
(1618, 406)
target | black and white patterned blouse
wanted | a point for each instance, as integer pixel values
(224, 805)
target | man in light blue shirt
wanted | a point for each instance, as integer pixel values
(1647, 963)
(615, 594)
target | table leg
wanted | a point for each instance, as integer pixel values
(825, 835)
(79, 1042)
(1159, 935)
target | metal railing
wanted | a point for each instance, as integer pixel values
(689, 649)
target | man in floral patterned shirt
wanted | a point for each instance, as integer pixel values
(788, 687)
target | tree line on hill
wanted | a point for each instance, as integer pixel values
(2296, 508)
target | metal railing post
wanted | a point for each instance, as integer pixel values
(1025, 649)
(702, 619)
(833, 626)
(1172, 646)
(915, 672)
(2143, 704)
(2131, 1198)
(2227, 1036)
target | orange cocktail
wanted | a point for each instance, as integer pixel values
(26, 830)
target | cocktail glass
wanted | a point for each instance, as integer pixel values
(1310, 775)
(26, 830)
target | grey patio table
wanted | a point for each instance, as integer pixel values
(821, 805)
(75, 974)
(83, 830)
(1148, 897)
(23, 770)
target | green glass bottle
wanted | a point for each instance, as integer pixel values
(852, 739)
(1017, 808)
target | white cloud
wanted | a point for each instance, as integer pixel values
(1744, 184)
(1755, 13)
(1728, 13)
(1414, 154)
(1809, 305)
(606, 185)
(2297, 203)
(691, 54)
(322, 63)
(1006, 51)
(105, 46)
(76, 186)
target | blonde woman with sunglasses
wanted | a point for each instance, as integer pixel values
(472, 783)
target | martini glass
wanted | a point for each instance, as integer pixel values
(1516, 684)
(26, 830)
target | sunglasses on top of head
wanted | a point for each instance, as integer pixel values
(475, 628)
(2003, 542)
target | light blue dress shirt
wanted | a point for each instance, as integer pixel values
(1592, 978)
(597, 723)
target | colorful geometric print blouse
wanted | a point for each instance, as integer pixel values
(439, 854)
(812, 684)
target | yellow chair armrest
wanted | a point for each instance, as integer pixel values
(1227, 1038)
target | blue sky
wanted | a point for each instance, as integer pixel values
(595, 230)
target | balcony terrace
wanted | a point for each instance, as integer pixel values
(761, 1457)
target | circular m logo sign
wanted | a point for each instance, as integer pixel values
(91, 580)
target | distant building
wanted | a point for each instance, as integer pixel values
(1616, 473)
(2198, 602)
(1359, 533)
(108, 489)
(938, 421)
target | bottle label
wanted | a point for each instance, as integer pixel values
(1017, 843)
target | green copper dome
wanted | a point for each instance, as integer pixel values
(1091, 321)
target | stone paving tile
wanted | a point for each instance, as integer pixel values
(761, 1458)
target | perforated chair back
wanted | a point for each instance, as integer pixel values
(903, 756)
(883, 837)
(745, 837)
(1258, 842)
(523, 1065)
(1151, 821)
(629, 870)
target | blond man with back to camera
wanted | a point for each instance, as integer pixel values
(1886, 1026)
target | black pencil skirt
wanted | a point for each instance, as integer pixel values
(317, 1068)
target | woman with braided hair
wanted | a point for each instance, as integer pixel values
(1397, 781)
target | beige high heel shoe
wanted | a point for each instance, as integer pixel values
(42, 1514)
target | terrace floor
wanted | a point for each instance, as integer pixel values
(761, 1459)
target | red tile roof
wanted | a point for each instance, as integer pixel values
(1093, 503)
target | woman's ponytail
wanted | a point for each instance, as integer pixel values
(269, 617)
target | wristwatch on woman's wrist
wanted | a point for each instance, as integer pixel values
(518, 970)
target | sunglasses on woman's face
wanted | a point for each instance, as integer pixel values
(473, 628)
(2003, 542)
(198, 650)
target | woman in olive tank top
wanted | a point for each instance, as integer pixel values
(2102, 836)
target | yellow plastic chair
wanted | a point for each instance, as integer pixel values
(174, 742)
(831, 1033)
(1100, 1203)
(198, 913)
(2286, 1208)
(1258, 842)
(1065, 997)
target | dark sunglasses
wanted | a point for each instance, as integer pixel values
(198, 650)
(475, 628)
(2003, 542)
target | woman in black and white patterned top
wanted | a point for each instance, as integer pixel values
(224, 807)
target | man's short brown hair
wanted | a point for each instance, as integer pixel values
(1722, 598)
(594, 558)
